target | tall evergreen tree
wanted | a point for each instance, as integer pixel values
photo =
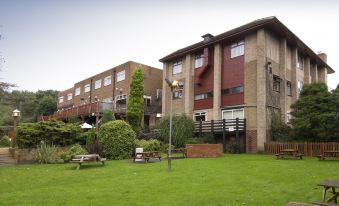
(314, 114)
(135, 101)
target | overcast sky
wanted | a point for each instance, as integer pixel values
(53, 44)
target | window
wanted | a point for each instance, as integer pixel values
(69, 96)
(288, 88)
(233, 90)
(288, 117)
(97, 84)
(147, 100)
(299, 87)
(300, 63)
(276, 83)
(233, 114)
(107, 80)
(121, 76)
(203, 96)
(107, 100)
(177, 67)
(87, 88)
(77, 91)
(198, 60)
(200, 116)
(177, 94)
(61, 99)
(237, 49)
(158, 93)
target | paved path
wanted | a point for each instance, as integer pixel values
(5, 158)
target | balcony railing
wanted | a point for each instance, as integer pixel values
(221, 126)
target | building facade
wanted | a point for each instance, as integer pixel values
(249, 72)
(109, 90)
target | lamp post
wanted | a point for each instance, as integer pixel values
(16, 115)
(173, 85)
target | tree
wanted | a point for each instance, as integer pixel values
(314, 114)
(135, 104)
(47, 106)
(107, 116)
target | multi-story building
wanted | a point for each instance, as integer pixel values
(109, 90)
(248, 73)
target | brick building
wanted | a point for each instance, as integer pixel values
(110, 90)
(248, 73)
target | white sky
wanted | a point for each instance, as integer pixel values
(53, 44)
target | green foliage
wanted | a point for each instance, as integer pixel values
(208, 138)
(31, 134)
(135, 103)
(148, 145)
(107, 116)
(73, 119)
(118, 139)
(47, 105)
(280, 130)
(194, 140)
(46, 153)
(315, 114)
(183, 128)
(72, 151)
(233, 148)
(4, 141)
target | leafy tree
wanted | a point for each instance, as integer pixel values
(183, 128)
(135, 104)
(107, 116)
(314, 114)
(280, 130)
(47, 105)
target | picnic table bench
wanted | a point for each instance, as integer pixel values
(147, 156)
(298, 204)
(289, 153)
(183, 151)
(329, 185)
(87, 158)
(329, 154)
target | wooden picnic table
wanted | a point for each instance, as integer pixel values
(183, 151)
(329, 154)
(147, 155)
(87, 158)
(289, 153)
(330, 185)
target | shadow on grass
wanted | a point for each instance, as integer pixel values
(85, 166)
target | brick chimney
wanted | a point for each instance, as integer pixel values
(207, 37)
(323, 56)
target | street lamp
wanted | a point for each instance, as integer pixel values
(16, 115)
(172, 85)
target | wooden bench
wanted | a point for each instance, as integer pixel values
(289, 153)
(298, 204)
(334, 154)
(147, 156)
(324, 203)
(183, 151)
(87, 158)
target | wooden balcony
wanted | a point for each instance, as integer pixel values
(221, 126)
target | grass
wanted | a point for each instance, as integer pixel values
(228, 181)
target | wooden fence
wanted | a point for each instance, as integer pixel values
(307, 148)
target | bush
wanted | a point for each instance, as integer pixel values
(233, 148)
(118, 139)
(148, 145)
(280, 130)
(46, 153)
(194, 140)
(29, 135)
(208, 138)
(107, 116)
(4, 141)
(71, 152)
(183, 128)
(93, 146)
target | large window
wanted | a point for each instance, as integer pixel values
(69, 96)
(288, 88)
(121, 76)
(177, 67)
(299, 87)
(276, 83)
(233, 114)
(87, 88)
(198, 60)
(203, 96)
(200, 116)
(237, 49)
(300, 63)
(233, 90)
(77, 91)
(107, 80)
(61, 99)
(97, 84)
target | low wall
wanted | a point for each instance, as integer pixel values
(204, 150)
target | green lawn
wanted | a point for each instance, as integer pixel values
(229, 180)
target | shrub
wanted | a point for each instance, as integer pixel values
(107, 116)
(148, 145)
(72, 151)
(54, 132)
(183, 128)
(4, 141)
(118, 139)
(208, 138)
(194, 140)
(280, 130)
(46, 153)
